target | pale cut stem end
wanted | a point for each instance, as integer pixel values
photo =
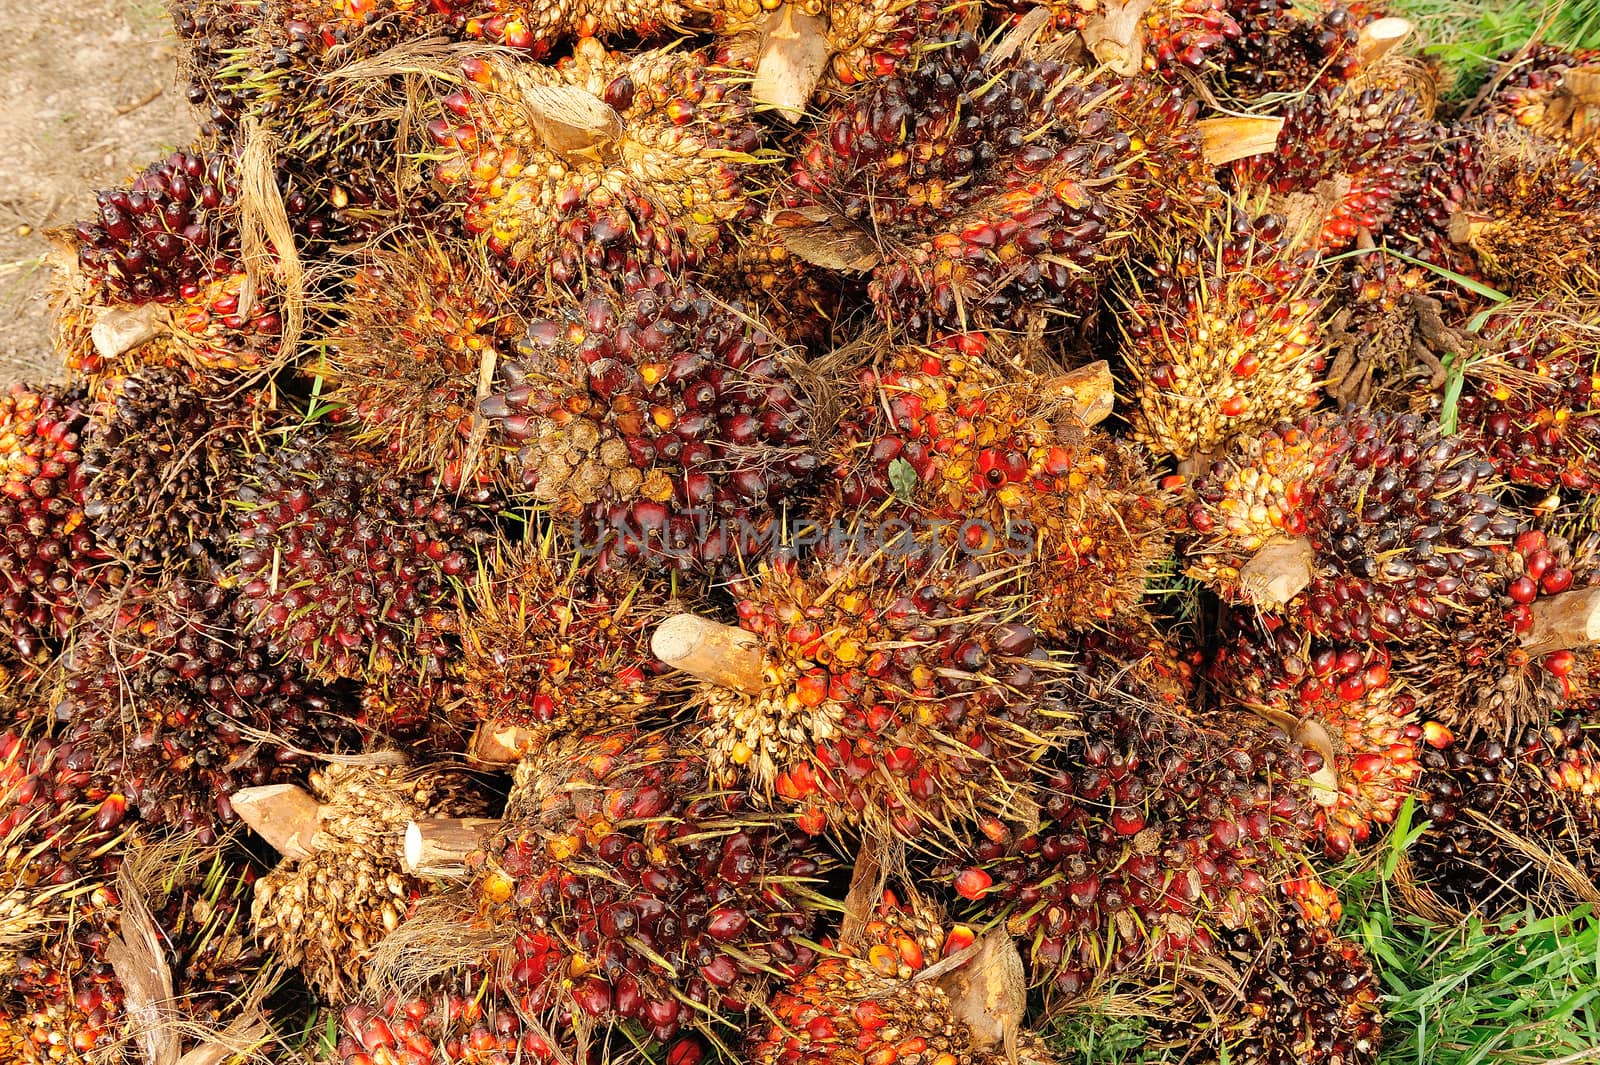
(794, 53)
(284, 815)
(1090, 389)
(437, 849)
(1224, 140)
(1583, 84)
(1564, 622)
(122, 329)
(1277, 573)
(499, 743)
(710, 651)
(1380, 37)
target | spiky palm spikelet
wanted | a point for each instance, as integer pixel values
(1155, 836)
(987, 190)
(1283, 48)
(1221, 336)
(800, 302)
(1347, 705)
(162, 463)
(1173, 36)
(163, 687)
(1513, 817)
(425, 319)
(665, 425)
(534, 26)
(1388, 336)
(1528, 398)
(550, 648)
(1399, 525)
(328, 912)
(1421, 224)
(599, 163)
(1532, 218)
(1342, 163)
(1302, 995)
(1535, 93)
(902, 689)
(658, 899)
(996, 455)
(50, 567)
(347, 568)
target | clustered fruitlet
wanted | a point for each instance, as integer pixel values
(540, 483)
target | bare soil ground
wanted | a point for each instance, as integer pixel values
(88, 96)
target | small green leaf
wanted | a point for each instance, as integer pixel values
(1454, 378)
(903, 477)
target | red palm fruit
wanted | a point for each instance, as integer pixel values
(162, 463)
(1369, 147)
(1350, 707)
(1529, 405)
(422, 318)
(1388, 337)
(551, 649)
(902, 690)
(1304, 997)
(866, 1002)
(1281, 48)
(1534, 91)
(652, 173)
(1005, 185)
(666, 424)
(1499, 671)
(1495, 799)
(996, 457)
(1399, 527)
(162, 688)
(327, 913)
(1221, 337)
(50, 567)
(662, 900)
(1532, 218)
(1157, 834)
(347, 568)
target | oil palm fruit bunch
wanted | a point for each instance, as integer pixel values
(422, 316)
(1169, 37)
(165, 254)
(1342, 162)
(1512, 817)
(1001, 459)
(1347, 705)
(1283, 48)
(50, 565)
(985, 190)
(327, 912)
(800, 302)
(891, 685)
(1221, 336)
(1303, 994)
(65, 1003)
(161, 464)
(347, 568)
(664, 425)
(1366, 527)
(1389, 336)
(878, 998)
(534, 27)
(165, 691)
(1552, 91)
(1421, 225)
(1527, 399)
(1526, 655)
(658, 899)
(1532, 218)
(601, 163)
(1156, 662)
(1155, 834)
(552, 649)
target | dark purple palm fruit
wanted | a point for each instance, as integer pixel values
(348, 569)
(1282, 49)
(173, 700)
(161, 465)
(1343, 161)
(664, 901)
(1420, 224)
(984, 190)
(50, 567)
(1528, 402)
(1494, 800)
(1389, 530)
(664, 425)
(1155, 835)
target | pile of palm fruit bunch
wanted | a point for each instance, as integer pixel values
(828, 533)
